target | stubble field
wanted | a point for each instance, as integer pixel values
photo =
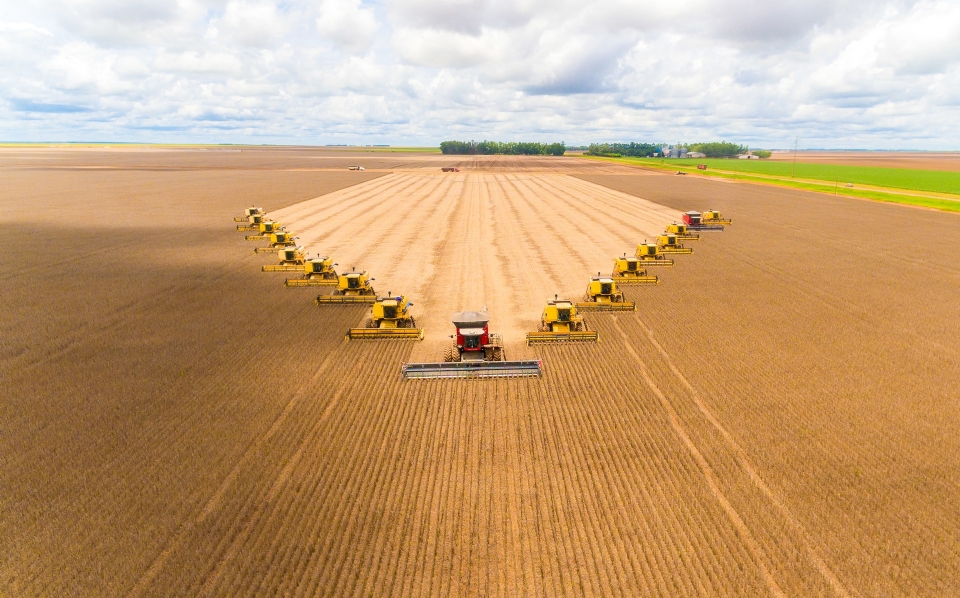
(780, 416)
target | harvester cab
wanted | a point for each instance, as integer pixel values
(630, 271)
(251, 211)
(476, 353)
(291, 260)
(649, 255)
(694, 221)
(352, 287)
(560, 322)
(278, 240)
(390, 319)
(682, 232)
(669, 243)
(714, 217)
(602, 295)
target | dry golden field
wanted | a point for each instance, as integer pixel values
(780, 417)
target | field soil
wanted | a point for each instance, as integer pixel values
(920, 160)
(780, 417)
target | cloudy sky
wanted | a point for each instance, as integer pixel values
(835, 73)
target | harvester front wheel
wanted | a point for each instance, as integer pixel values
(451, 354)
(371, 324)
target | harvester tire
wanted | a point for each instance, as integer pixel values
(451, 354)
(371, 324)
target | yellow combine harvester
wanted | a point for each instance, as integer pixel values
(251, 211)
(266, 228)
(317, 272)
(352, 287)
(668, 243)
(277, 240)
(390, 319)
(602, 295)
(714, 217)
(630, 271)
(253, 224)
(291, 260)
(682, 232)
(649, 254)
(560, 323)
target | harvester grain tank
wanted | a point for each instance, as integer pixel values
(602, 295)
(317, 272)
(682, 232)
(714, 217)
(649, 254)
(389, 319)
(475, 353)
(669, 243)
(291, 259)
(560, 322)
(251, 211)
(630, 271)
(694, 221)
(277, 240)
(352, 287)
(265, 229)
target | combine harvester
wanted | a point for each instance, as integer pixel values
(291, 260)
(265, 228)
(251, 211)
(649, 254)
(694, 221)
(561, 323)
(714, 217)
(668, 243)
(682, 231)
(602, 295)
(278, 240)
(630, 271)
(317, 272)
(476, 353)
(252, 225)
(352, 287)
(390, 319)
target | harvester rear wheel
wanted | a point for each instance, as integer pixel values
(371, 324)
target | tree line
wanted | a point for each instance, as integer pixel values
(510, 148)
(712, 149)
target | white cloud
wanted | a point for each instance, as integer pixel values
(850, 73)
(347, 24)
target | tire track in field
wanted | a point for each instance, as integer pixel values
(749, 468)
(705, 468)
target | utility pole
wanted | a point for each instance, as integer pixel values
(796, 142)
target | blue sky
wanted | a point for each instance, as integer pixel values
(836, 74)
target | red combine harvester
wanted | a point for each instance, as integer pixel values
(476, 353)
(694, 222)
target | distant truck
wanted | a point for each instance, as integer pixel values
(355, 167)
(450, 169)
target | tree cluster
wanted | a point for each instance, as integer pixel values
(718, 149)
(510, 148)
(616, 150)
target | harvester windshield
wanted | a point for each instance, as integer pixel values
(563, 315)
(353, 282)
